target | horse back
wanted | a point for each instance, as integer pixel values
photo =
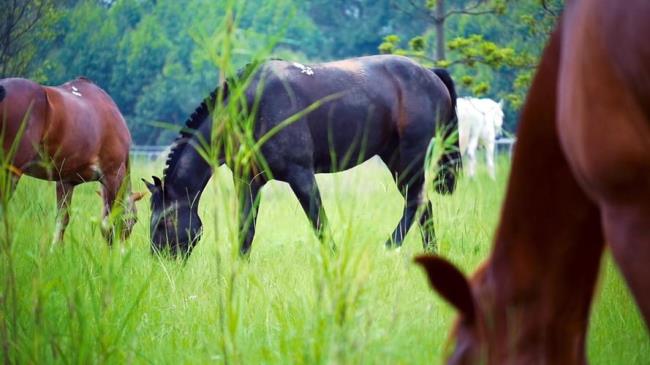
(85, 125)
(382, 81)
(376, 99)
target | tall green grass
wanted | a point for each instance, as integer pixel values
(292, 301)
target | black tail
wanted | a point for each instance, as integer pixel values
(449, 83)
(451, 161)
(2, 93)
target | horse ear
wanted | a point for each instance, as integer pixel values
(157, 181)
(501, 102)
(151, 187)
(138, 195)
(450, 283)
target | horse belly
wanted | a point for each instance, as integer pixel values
(345, 139)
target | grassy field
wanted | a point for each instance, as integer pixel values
(293, 302)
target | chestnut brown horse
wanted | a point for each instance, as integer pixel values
(70, 134)
(580, 179)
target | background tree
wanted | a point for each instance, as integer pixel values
(355, 27)
(437, 13)
(25, 25)
(492, 46)
(154, 57)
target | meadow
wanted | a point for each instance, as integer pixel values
(294, 301)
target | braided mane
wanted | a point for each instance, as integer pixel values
(200, 114)
(191, 125)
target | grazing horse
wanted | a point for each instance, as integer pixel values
(70, 134)
(479, 122)
(580, 178)
(385, 105)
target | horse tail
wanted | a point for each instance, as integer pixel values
(450, 162)
(2, 92)
(446, 79)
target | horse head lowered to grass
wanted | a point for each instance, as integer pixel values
(379, 105)
(580, 178)
(71, 134)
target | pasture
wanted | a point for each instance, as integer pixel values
(293, 302)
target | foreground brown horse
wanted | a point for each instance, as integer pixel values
(580, 178)
(70, 134)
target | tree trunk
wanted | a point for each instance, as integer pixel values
(440, 30)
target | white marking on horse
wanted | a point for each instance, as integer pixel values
(75, 91)
(304, 69)
(96, 169)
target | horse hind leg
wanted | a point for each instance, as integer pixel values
(410, 181)
(489, 158)
(426, 223)
(627, 230)
(64, 199)
(112, 214)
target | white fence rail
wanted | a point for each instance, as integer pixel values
(148, 152)
(505, 145)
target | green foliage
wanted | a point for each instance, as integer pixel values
(26, 27)
(153, 57)
(490, 54)
(354, 28)
(418, 44)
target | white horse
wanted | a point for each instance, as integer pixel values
(479, 121)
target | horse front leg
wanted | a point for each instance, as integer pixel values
(64, 199)
(249, 202)
(303, 183)
(471, 156)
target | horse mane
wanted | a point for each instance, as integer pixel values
(199, 115)
(84, 78)
(191, 125)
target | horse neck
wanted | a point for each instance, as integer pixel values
(542, 270)
(190, 172)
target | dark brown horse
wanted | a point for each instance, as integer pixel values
(70, 134)
(387, 105)
(580, 179)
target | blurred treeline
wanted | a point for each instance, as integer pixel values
(155, 57)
